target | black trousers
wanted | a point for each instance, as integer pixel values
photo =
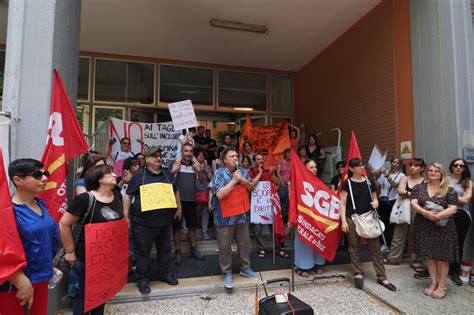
(463, 223)
(384, 210)
(143, 239)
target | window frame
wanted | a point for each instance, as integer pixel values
(89, 85)
(271, 96)
(94, 107)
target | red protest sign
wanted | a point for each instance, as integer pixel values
(106, 261)
(314, 210)
(235, 203)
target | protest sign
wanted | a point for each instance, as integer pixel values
(142, 135)
(157, 196)
(314, 210)
(106, 261)
(182, 114)
(377, 159)
(235, 203)
(261, 203)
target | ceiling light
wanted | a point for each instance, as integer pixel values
(239, 26)
(244, 109)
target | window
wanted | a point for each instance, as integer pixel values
(142, 115)
(276, 119)
(282, 96)
(83, 115)
(242, 90)
(2, 70)
(178, 83)
(124, 82)
(101, 117)
(83, 80)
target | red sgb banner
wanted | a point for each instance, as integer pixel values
(314, 210)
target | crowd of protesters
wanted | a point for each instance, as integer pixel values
(202, 175)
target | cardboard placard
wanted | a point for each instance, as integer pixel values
(235, 203)
(261, 211)
(157, 196)
(182, 114)
(106, 261)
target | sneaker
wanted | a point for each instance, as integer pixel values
(423, 274)
(228, 284)
(456, 280)
(169, 279)
(178, 258)
(196, 254)
(144, 287)
(205, 236)
(249, 273)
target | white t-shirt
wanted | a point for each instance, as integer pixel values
(387, 189)
(181, 138)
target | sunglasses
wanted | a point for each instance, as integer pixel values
(126, 143)
(38, 174)
(456, 165)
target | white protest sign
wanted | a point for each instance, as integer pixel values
(261, 211)
(182, 114)
(377, 159)
(160, 135)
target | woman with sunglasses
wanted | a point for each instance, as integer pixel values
(460, 181)
(40, 238)
(107, 206)
(358, 190)
(434, 231)
(119, 157)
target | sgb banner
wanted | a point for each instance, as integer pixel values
(314, 210)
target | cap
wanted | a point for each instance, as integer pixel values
(152, 151)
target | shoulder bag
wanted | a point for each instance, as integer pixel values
(401, 211)
(367, 224)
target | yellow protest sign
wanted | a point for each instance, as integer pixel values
(157, 196)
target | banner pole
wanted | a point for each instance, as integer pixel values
(273, 233)
(384, 248)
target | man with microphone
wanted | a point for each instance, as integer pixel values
(230, 186)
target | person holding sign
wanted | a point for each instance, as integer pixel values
(153, 225)
(106, 206)
(230, 201)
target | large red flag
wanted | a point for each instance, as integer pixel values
(279, 226)
(64, 142)
(12, 255)
(314, 210)
(354, 152)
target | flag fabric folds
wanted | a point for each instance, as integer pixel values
(314, 210)
(12, 255)
(279, 226)
(65, 141)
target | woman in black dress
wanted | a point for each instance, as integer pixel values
(315, 152)
(434, 231)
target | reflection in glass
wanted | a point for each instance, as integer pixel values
(242, 89)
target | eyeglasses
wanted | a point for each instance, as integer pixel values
(126, 143)
(459, 165)
(38, 174)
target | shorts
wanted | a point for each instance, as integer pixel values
(189, 214)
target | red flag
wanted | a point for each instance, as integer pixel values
(64, 142)
(12, 255)
(354, 152)
(314, 210)
(279, 226)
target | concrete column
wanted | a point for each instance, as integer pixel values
(441, 44)
(41, 35)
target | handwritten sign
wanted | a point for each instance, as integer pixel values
(160, 135)
(157, 196)
(106, 261)
(235, 203)
(182, 114)
(261, 211)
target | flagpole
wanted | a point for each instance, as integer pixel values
(273, 232)
(384, 248)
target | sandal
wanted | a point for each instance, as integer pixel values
(261, 253)
(387, 285)
(438, 296)
(283, 254)
(318, 269)
(301, 272)
(359, 281)
(429, 290)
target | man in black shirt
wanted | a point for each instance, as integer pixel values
(211, 146)
(200, 141)
(151, 226)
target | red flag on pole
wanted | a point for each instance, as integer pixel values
(354, 152)
(12, 255)
(314, 210)
(64, 142)
(279, 226)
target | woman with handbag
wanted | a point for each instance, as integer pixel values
(434, 230)
(28, 287)
(359, 199)
(416, 167)
(106, 206)
(460, 180)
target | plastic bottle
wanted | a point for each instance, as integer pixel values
(57, 276)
